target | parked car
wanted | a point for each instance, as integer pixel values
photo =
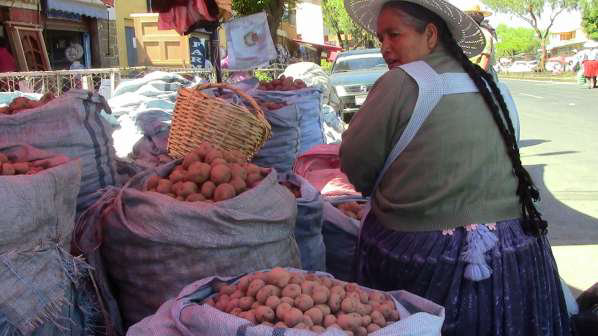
(353, 75)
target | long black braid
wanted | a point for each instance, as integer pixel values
(526, 190)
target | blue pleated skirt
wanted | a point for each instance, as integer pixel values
(523, 296)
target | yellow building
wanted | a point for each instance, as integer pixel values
(125, 30)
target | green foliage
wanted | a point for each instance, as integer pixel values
(326, 66)
(514, 41)
(263, 75)
(337, 20)
(589, 20)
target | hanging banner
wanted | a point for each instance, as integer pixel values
(249, 43)
(198, 49)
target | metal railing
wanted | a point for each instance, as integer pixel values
(60, 81)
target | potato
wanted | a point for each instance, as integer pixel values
(255, 305)
(297, 278)
(312, 277)
(207, 189)
(220, 173)
(196, 197)
(244, 282)
(180, 198)
(366, 320)
(291, 290)
(239, 185)
(222, 302)
(316, 315)
(236, 311)
(329, 320)
(334, 302)
(280, 324)
(304, 302)
(219, 161)
(198, 172)
(317, 329)
(348, 322)
(324, 308)
(326, 281)
(386, 309)
(251, 168)
(364, 309)
(351, 287)
(278, 277)
(288, 300)
(255, 286)
(202, 150)
(372, 327)
(232, 304)
(249, 316)
(212, 155)
(238, 172)
(282, 309)
(223, 192)
(227, 289)
(187, 188)
(353, 295)
(164, 186)
(394, 316)
(8, 169)
(152, 182)
(349, 305)
(246, 302)
(293, 317)
(264, 313)
(189, 159)
(176, 187)
(361, 331)
(177, 175)
(266, 323)
(338, 290)
(308, 286)
(307, 321)
(21, 167)
(253, 179)
(320, 294)
(300, 325)
(3, 158)
(265, 292)
(378, 318)
(273, 302)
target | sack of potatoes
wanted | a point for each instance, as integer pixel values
(208, 174)
(291, 301)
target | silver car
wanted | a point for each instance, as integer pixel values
(353, 75)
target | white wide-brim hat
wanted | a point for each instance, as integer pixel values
(464, 29)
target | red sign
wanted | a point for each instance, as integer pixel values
(108, 3)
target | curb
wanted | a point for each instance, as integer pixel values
(540, 78)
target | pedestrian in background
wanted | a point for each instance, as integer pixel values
(590, 67)
(486, 59)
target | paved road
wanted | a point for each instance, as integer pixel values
(559, 132)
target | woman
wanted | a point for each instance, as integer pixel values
(486, 59)
(590, 68)
(452, 217)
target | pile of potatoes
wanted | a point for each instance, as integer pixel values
(12, 167)
(351, 209)
(270, 105)
(23, 103)
(284, 299)
(208, 174)
(292, 188)
(282, 84)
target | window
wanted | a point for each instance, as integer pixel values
(28, 43)
(567, 36)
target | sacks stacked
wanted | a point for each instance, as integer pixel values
(198, 310)
(152, 245)
(41, 284)
(308, 227)
(73, 125)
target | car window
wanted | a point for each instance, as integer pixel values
(358, 62)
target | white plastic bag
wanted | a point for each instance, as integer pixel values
(249, 42)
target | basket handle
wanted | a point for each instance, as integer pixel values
(235, 90)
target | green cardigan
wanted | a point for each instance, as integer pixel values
(456, 170)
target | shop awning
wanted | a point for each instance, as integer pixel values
(91, 8)
(328, 47)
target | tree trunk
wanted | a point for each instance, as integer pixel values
(340, 39)
(543, 56)
(274, 15)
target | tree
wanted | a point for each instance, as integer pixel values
(338, 21)
(514, 41)
(274, 10)
(589, 20)
(532, 12)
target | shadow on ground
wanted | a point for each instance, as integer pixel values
(531, 142)
(556, 213)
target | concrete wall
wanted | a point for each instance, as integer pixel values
(104, 44)
(123, 10)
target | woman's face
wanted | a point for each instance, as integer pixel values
(401, 43)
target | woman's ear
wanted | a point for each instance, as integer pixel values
(432, 35)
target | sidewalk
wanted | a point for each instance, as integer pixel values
(541, 76)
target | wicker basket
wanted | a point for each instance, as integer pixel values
(200, 118)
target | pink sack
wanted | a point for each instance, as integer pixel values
(321, 167)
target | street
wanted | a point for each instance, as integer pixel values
(559, 130)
